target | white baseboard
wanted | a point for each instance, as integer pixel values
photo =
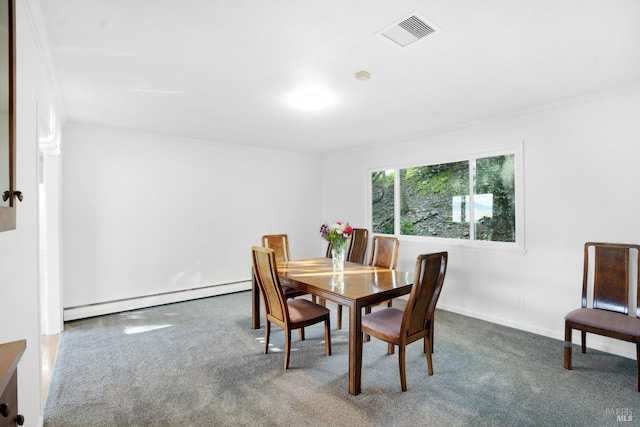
(109, 307)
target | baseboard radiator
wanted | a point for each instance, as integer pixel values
(116, 306)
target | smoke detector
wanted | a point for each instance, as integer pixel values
(363, 76)
(409, 29)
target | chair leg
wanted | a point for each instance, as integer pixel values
(430, 337)
(390, 348)
(339, 317)
(567, 346)
(327, 337)
(301, 334)
(287, 346)
(428, 352)
(583, 336)
(403, 370)
(366, 337)
(431, 334)
(267, 333)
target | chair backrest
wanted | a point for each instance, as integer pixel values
(611, 273)
(358, 246)
(427, 285)
(384, 252)
(266, 272)
(280, 245)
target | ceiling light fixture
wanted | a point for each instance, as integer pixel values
(311, 102)
(363, 76)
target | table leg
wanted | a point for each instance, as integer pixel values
(255, 303)
(355, 348)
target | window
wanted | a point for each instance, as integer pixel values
(469, 200)
(434, 200)
(382, 200)
(495, 199)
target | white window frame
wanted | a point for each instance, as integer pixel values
(518, 246)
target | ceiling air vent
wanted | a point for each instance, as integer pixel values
(409, 30)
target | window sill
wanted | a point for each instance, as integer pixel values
(502, 248)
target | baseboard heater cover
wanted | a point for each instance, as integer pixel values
(110, 307)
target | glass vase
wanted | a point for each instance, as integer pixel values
(337, 254)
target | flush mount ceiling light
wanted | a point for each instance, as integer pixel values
(363, 76)
(311, 102)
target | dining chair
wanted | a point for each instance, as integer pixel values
(384, 254)
(606, 299)
(398, 327)
(358, 247)
(280, 245)
(287, 313)
(356, 253)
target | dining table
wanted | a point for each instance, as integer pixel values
(356, 287)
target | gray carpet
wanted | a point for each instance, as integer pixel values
(199, 363)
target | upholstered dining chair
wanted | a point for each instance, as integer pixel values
(358, 246)
(606, 299)
(356, 253)
(357, 249)
(384, 252)
(280, 245)
(398, 327)
(287, 313)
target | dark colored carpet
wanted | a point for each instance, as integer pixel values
(198, 363)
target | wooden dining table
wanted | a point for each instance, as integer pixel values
(357, 287)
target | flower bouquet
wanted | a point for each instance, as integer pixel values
(337, 234)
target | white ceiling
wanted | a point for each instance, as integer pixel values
(225, 70)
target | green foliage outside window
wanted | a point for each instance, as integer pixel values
(496, 176)
(382, 201)
(434, 200)
(427, 193)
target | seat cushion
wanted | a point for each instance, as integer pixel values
(387, 321)
(301, 310)
(607, 320)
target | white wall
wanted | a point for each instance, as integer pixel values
(19, 248)
(581, 184)
(146, 215)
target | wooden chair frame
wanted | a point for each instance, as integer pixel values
(357, 253)
(384, 252)
(418, 316)
(280, 245)
(608, 315)
(277, 306)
